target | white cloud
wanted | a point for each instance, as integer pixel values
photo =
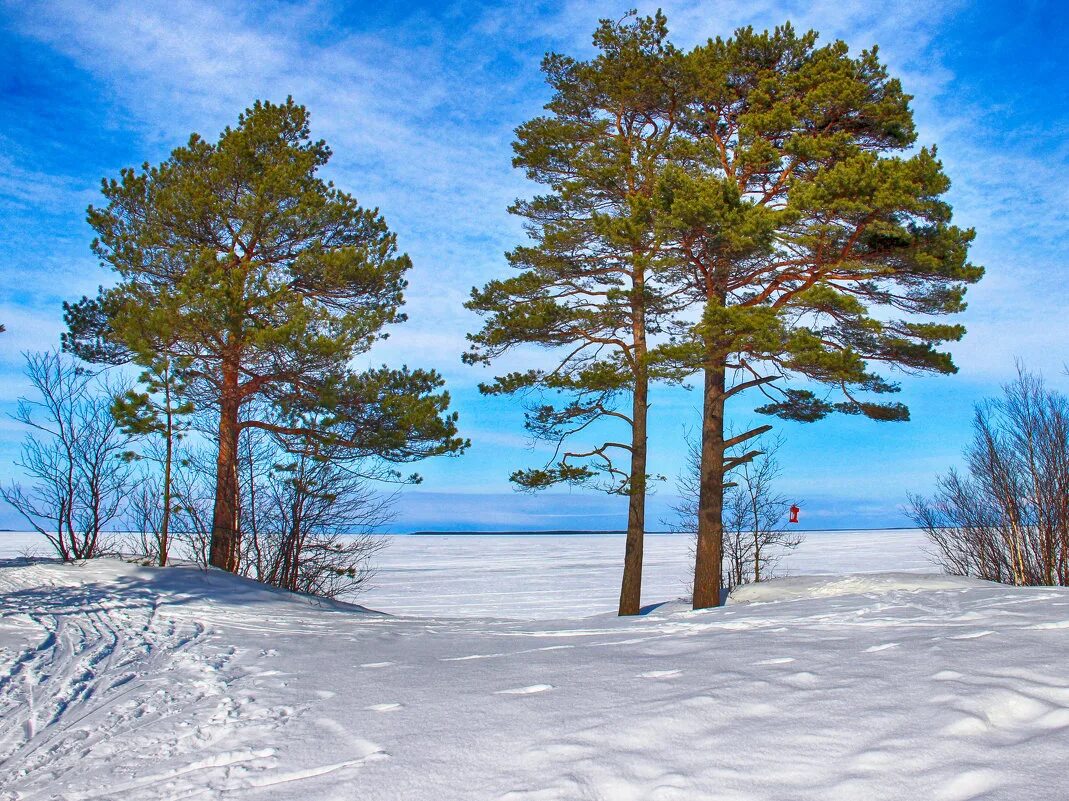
(419, 115)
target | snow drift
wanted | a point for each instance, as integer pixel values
(798, 587)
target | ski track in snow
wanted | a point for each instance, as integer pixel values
(115, 676)
(85, 680)
(120, 682)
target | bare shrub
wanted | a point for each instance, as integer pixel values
(144, 518)
(193, 496)
(1007, 518)
(310, 518)
(755, 535)
(308, 515)
(78, 481)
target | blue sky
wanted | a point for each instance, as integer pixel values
(419, 100)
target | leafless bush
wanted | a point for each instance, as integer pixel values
(309, 518)
(144, 517)
(186, 535)
(755, 537)
(1007, 520)
(193, 495)
(78, 481)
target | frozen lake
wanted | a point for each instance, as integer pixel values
(556, 576)
(546, 576)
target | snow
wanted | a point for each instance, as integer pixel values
(533, 576)
(554, 576)
(820, 586)
(119, 681)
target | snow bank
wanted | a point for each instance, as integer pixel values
(798, 587)
(101, 578)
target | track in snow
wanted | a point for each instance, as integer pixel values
(116, 675)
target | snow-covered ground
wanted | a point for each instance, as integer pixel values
(131, 683)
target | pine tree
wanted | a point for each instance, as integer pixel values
(237, 260)
(812, 243)
(162, 411)
(585, 287)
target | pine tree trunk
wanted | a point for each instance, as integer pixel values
(165, 522)
(709, 554)
(225, 533)
(631, 585)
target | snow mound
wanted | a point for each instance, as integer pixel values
(102, 577)
(799, 587)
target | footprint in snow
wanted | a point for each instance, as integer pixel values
(534, 688)
(873, 649)
(383, 707)
(659, 674)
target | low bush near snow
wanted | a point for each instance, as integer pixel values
(1007, 518)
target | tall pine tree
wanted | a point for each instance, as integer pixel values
(585, 289)
(238, 261)
(813, 241)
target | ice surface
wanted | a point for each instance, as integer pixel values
(534, 576)
(124, 682)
